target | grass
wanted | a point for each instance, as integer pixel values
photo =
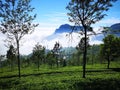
(63, 78)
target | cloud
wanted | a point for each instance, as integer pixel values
(67, 41)
(96, 42)
(28, 41)
(96, 39)
(107, 22)
(2, 44)
(64, 40)
(38, 35)
(110, 21)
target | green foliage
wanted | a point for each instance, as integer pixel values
(56, 51)
(111, 48)
(75, 59)
(38, 51)
(81, 44)
(38, 54)
(50, 59)
(65, 78)
(11, 52)
(11, 56)
(93, 54)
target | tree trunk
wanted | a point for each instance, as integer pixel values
(57, 63)
(11, 65)
(92, 54)
(78, 59)
(108, 66)
(57, 60)
(85, 52)
(92, 59)
(18, 57)
(38, 64)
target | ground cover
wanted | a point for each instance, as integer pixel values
(62, 78)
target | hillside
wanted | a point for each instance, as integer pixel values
(115, 29)
(66, 28)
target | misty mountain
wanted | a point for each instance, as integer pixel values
(66, 28)
(115, 26)
(115, 29)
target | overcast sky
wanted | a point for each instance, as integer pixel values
(50, 15)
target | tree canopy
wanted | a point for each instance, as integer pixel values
(38, 54)
(111, 48)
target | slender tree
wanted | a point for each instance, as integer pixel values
(11, 55)
(0, 61)
(1, 58)
(16, 21)
(86, 13)
(50, 58)
(56, 50)
(38, 53)
(80, 46)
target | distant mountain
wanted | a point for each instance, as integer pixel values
(115, 26)
(66, 28)
(115, 29)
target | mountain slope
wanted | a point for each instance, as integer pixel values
(63, 29)
(60, 34)
(115, 29)
(66, 28)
